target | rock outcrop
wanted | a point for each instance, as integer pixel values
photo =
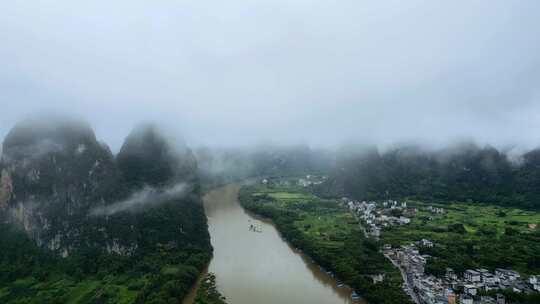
(55, 175)
(6, 189)
(53, 172)
(69, 209)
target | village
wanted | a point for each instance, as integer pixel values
(374, 217)
(452, 288)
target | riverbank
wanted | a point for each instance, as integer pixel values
(207, 292)
(331, 237)
(251, 266)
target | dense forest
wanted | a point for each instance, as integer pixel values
(79, 225)
(465, 172)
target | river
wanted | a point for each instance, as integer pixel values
(260, 267)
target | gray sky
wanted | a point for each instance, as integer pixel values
(242, 72)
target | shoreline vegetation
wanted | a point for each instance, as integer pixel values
(207, 292)
(326, 232)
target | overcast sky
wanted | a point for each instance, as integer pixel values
(243, 72)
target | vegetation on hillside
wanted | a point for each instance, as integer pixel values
(465, 173)
(160, 272)
(152, 254)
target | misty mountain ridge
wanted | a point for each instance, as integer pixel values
(147, 157)
(72, 214)
(461, 172)
(55, 173)
(218, 166)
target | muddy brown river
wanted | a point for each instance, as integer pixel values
(259, 266)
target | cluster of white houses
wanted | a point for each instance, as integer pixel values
(428, 289)
(453, 288)
(308, 180)
(375, 216)
(311, 180)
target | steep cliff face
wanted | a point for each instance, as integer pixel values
(136, 220)
(6, 188)
(163, 178)
(53, 172)
(147, 157)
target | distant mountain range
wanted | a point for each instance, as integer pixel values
(464, 172)
(225, 165)
(459, 172)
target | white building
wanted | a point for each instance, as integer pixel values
(507, 274)
(426, 243)
(470, 289)
(465, 299)
(535, 282)
(472, 276)
(404, 220)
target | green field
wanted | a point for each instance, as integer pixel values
(67, 290)
(319, 219)
(477, 220)
(490, 237)
(288, 196)
(330, 230)
(284, 196)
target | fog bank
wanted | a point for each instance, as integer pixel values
(145, 198)
(310, 72)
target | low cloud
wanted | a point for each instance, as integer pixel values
(237, 73)
(147, 197)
